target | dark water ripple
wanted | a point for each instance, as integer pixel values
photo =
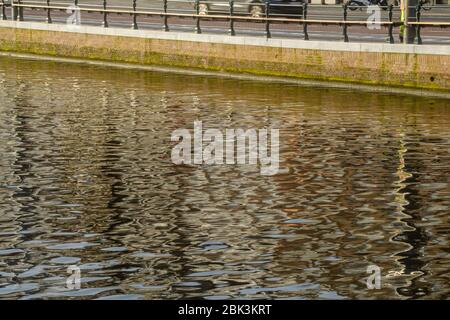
(86, 179)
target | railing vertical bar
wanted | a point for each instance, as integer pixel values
(20, 14)
(49, 15)
(197, 12)
(4, 17)
(105, 14)
(305, 24)
(165, 22)
(232, 32)
(345, 23)
(13, 10)
(268, 35)
(134, 25)
(418, 16)
(391, 26)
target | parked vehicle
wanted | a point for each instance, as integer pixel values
(254, 8)
(358, 4)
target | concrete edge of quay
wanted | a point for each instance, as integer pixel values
(412, 69)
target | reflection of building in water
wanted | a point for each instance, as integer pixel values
(93, 165)
(414, 171)
(69, 172)
(328, 204)
(342, 199)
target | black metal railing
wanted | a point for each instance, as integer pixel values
(303, 14)
(423, 18)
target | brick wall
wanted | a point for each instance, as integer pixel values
(425, 71)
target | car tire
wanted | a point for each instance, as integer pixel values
(353, 5)
(203, 9)
(256, 11)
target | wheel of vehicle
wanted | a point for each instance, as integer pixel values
(203, 9)
(353, 5)
(383, 4)
(256, 11)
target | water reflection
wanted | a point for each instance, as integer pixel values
(86, 179)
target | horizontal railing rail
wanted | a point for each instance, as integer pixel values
(302, 14)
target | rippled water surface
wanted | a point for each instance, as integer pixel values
(86, 179)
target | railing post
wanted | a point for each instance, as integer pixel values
(418, 13)
(232, 32)
(105, 15)
(134, 25)
(410, 32)
(49, 16)
(268, 35)
(305, 24)
(391, 26)
(166, 26)
(13, 10)
(20, 10)
(345, 23)
(197, 12)
(404, 26)
(4, 17)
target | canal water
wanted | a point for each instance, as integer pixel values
(87, 181)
